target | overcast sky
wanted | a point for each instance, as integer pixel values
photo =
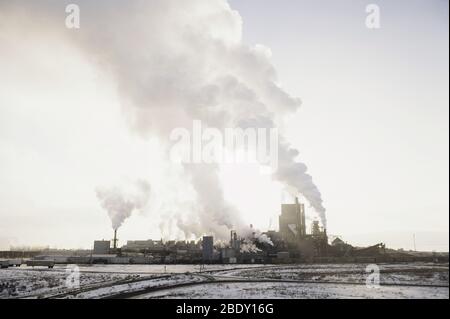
(374, 121)
(372, 127)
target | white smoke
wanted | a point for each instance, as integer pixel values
(264, 239)
(212, 213)
(219, 244)
(294, 175)
(250, 235)
(120, 203)
(248, 246)
(175, 61)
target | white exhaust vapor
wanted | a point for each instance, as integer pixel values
(175, 61)
(121, 202)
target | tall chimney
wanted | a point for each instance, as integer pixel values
(115, 239)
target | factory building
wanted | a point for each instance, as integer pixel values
(143, 244)
(292, 242)
(207, 248)
(293, 234)
(102, 247)
(235, 243)
(320, 239)
(229, 255)
(292, 222)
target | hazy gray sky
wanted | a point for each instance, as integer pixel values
(374, 121)
(372, 128)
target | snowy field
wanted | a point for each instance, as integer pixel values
(407, 280)
(41, 282)
(414, 274)
(297, 291)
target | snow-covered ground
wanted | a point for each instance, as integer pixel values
(158, 269)
(407, 280)
(298, 291)
(27, 282)
(414, 274)
(138, 286)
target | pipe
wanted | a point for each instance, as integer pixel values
(115, 239)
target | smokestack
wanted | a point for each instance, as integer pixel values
(121, 202)
(115, 239)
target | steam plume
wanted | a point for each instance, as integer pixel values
(120, 203)
(175, 61)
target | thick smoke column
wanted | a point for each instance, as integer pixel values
(214, 214)
(175, 61)
(294, 174)
(121, 203)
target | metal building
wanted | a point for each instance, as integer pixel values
(102, 247)
(207, 248)
(292, 222)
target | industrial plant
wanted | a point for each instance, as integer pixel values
(294, 242)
